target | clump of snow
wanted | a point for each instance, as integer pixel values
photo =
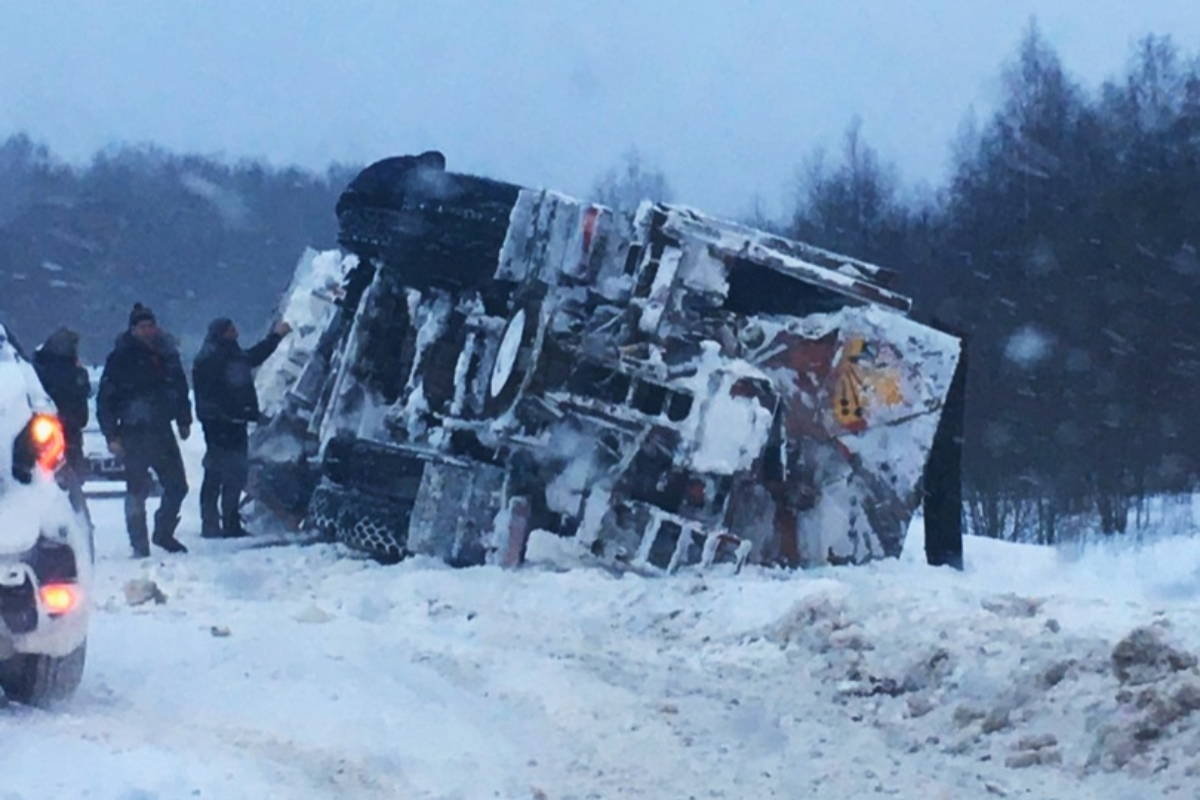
(734, 432)
(430, 319)
(703, 271)
(308, 305)
(1157, 715)
(567, 445)
(725, 432)
(139, 591)
(1144, 657)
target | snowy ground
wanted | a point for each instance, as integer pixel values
(339, 678)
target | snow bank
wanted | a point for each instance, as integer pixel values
(339, 677)
(299, 672)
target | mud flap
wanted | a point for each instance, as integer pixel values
(511, 534)
(455, 512)
(943, 475)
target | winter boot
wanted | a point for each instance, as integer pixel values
(164, 534)
(232, 523)
(169, 543)
(210, 525)
(234, 529)
(210, 490)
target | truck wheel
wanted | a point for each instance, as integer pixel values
(323, 509)
(40, 680)
(373, 525)
(428, 226)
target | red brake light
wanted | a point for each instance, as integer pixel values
(47, 434)
(42, 429)
(59, 598)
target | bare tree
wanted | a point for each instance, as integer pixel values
(624, 187)
(850, 206)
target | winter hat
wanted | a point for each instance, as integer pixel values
(63, 342)
(140, 313)
(218, 327)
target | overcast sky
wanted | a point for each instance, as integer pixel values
(726, 96)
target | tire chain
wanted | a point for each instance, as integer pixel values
(360, 521)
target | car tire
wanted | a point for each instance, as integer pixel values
(41, 680)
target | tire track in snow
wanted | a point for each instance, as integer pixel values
(118, 730)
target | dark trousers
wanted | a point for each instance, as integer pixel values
(72, 482)
(73, 438)
(152, 449)
(226, 471)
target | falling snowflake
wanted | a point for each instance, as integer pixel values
(1028, 347)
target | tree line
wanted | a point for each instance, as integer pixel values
(189, 236)
(1063, 247)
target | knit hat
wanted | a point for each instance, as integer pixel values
(218, 327)
(140, 313)
(63, 342)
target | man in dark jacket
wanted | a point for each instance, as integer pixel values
(142, 391)
(226, 401)
(66, 381)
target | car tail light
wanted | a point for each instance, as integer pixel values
(40, 444)
(48, 441)
(59, 598)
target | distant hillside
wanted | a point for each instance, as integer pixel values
(189, 236)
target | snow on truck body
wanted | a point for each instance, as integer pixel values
(670, 390)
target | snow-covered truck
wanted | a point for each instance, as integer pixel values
(486, 359)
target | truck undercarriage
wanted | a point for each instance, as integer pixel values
(668, 390)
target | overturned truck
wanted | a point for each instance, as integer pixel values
(485, 360)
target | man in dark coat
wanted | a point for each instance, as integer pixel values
(226, 401)
(66, 381)
(142, 391)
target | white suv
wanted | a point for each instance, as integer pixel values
(46, 551)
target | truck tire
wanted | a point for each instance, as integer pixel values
(427, 226)
(40, 680)
(371, 524)
(323, 509)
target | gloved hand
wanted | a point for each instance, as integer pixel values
(114, 447)
(185, 430)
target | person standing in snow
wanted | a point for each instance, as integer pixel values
(143, 389)
(226, 402)
(66, 381)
